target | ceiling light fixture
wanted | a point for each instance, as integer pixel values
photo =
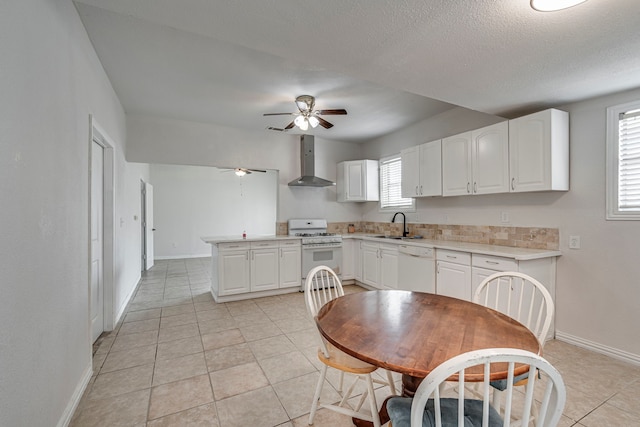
(553, 5)
(240, 172)
(302, 122)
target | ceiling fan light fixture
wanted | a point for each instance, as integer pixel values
(301, 122)
(240, 172)
(553, 5)
(313, 121)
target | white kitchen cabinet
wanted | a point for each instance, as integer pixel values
(264, 266)
(348, 260)
(290, 268)
(370, 263)
(539, 152)
(422, 170)
(453, 274)
(379, 265)
(456, 165)
(388, 266)
(357, 181)
(232, 273)
(490, 162)
(255, 266)
(357, 260)
(476, 162)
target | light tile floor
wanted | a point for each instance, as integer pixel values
(178, 358)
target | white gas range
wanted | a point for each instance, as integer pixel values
(318, 246)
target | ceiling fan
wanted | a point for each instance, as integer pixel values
(307, 116)
(244, 171)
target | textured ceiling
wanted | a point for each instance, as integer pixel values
(228, 62)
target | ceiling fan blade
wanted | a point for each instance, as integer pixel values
(340, 111)
(325, 124)
(257, 170)
(290, 126)
(279, 114)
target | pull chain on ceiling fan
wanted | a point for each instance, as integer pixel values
(307, 116)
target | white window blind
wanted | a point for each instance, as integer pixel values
(629, 161)
(391, 185)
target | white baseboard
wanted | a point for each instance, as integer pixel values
(75, 398)
(126, 301)
(162, 258)
(599, 348)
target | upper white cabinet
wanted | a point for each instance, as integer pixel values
(490, 163)
(539, 151)
(357, 181)
(456, 165)
(422, 170)
(476, 162)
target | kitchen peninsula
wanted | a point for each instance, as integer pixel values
(257, 267)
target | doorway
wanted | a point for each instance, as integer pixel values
(101, 232)
(146, 212)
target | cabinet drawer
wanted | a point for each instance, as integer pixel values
(494, 263)
(289, 243)
(264, 244)
(453, 256)
(233, 246)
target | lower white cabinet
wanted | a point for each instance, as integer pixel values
(369, 254)
(243, 267)
(264, 266)
(290, 264)
(348, 259)
(379, 265)
(453, 274)
(233, 270)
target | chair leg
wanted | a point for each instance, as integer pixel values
(392, 386)
(316, 396)
(372, 402)
(340, 383)
(496, 400)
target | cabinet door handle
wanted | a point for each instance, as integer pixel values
(468, 187)
(247, 256)
(475, 187)
(417, 190)
(492, 262)
(421, 189)
(452, 257)
(280, 253)
(513, 183)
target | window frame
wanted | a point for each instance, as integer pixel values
(613, 212)
(405, 208)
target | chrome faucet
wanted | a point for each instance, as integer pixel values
(405, 232)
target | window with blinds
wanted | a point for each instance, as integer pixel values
(391, 185)
(623, 162)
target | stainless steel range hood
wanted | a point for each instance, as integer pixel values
(307, 161)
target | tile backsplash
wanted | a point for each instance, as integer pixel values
(518, 237)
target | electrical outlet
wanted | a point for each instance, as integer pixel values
(574, 242)
(504, 217)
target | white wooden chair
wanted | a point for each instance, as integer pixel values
(323, 285)
(524, 299)
(461, 411)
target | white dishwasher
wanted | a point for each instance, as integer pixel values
(416, 269)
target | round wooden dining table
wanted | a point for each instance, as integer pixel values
(414, 332)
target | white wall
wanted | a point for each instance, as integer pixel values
(598, 286)
(158, 140)
(51, 82)
(195, 201)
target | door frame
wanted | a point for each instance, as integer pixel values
(98, 134)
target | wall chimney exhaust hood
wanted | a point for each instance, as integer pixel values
(307, 161)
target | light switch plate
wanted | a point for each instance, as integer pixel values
(574, 242)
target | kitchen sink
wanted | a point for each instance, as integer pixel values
(390, 237)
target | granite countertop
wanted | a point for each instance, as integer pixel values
(231, 239)
(520, 254)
